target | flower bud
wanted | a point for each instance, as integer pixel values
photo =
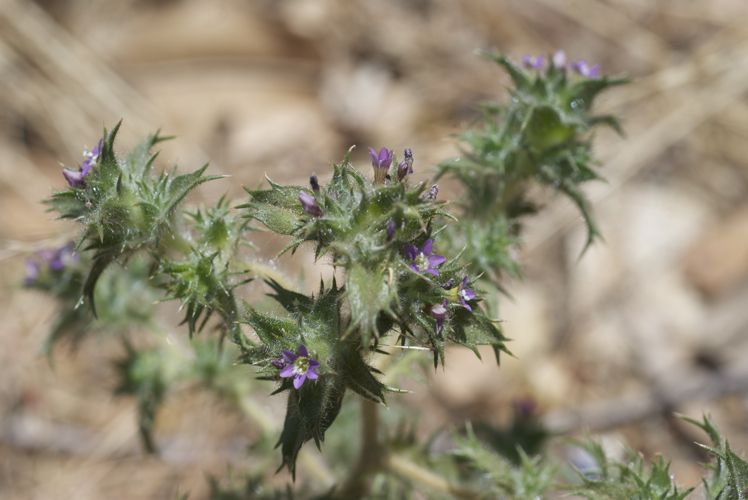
(309, 204)
(406, 166)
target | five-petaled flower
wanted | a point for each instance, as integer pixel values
(422, 260)
(300, 366)
(309, 204)
(465, 294)
(75, 178)
(439, 313)
(381, 162)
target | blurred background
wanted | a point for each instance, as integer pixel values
(649, 322)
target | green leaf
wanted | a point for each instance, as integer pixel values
(546, 129)
(278, 208)
(357, 374)
(272, 329)
(309, 413)
(369, 294)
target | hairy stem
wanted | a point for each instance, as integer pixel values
(370, 458)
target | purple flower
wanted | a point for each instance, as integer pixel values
(32, 272)
(299, 366)
(530, 62)
(381, 162)
(406, 166)
(390, 230)
(75, 178)
(432, 193)
(559, 59)
(422, 260)
(439, 312)
(585, 70)
(466, 294)
(49, 259)
(309, 204)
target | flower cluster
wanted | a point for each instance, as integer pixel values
(49, 260)
(75, 178)
(559, 62)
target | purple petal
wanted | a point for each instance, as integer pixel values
(559, 59)
(309, 204)
(301, 351)
(95, 152)
(468, 294)
(278, 363)
(438, 311)
(299, 381)
(411, 252)
(427, 246)
(594, 71)
(390, 229)
(385, 158)
(466, 306)
(433, 271)
(32, 272)
(415, 268)
(311, 373)
(374, 157)
(289, 356)
(288, 371)
(437, 260)
(74, 177)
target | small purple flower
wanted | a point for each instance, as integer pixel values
(309, 204)
(585, 70)
(466, 294)
(300, 366)
(49, 259)
(314, 183)
(423, 260)
(559, 59)
(75, 178)
(439, 313)
(406, 166)
(90, 157)
(381, 162)
(432, 193)
(32, 272)
(390, 230)
(536, 63)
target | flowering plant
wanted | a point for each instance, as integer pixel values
(409, 277)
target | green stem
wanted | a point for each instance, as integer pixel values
(407, 469)
(370, 458)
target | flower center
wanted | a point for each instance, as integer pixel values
(301, 365)
(422, 262)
